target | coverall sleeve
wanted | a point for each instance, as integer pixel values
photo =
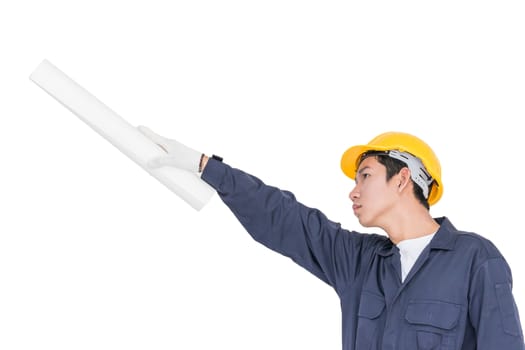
(276, 219)
(492, 309)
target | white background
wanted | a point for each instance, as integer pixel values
(97, 254)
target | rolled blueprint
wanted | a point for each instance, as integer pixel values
(188, 186)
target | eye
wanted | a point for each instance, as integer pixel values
(361, 177)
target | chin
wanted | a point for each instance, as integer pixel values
(364, 223)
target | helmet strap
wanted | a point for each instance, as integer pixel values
(418, 173)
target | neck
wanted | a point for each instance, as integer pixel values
(411, 223)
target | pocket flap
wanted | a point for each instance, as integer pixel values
(433, 313)
(371, 305)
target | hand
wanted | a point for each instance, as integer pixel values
(178, 155)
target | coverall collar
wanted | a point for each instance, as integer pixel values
(444, 238)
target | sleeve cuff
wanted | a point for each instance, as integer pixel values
(214, 172)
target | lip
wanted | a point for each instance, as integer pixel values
(356, 207)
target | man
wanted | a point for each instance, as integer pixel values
(427, 285)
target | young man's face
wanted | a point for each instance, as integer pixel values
(373, 196)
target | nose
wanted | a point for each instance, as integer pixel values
(354, 194)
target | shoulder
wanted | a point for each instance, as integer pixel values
(465, 245)
(466, 248)
(473, 241)
(449, 237)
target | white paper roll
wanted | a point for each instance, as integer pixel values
(188, 186)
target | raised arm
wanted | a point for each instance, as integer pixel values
(276, 219)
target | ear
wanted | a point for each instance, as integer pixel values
(403, 178)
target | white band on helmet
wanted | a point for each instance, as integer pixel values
(418, 173)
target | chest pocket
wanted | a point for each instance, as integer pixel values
(434, 323)
(371, 307)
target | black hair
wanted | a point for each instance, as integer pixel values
(393, 166)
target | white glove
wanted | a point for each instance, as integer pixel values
(178, 155)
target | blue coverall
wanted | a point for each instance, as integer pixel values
(458, 295)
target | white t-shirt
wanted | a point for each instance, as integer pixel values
(410, 249)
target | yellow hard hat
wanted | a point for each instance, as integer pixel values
(402, 142)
